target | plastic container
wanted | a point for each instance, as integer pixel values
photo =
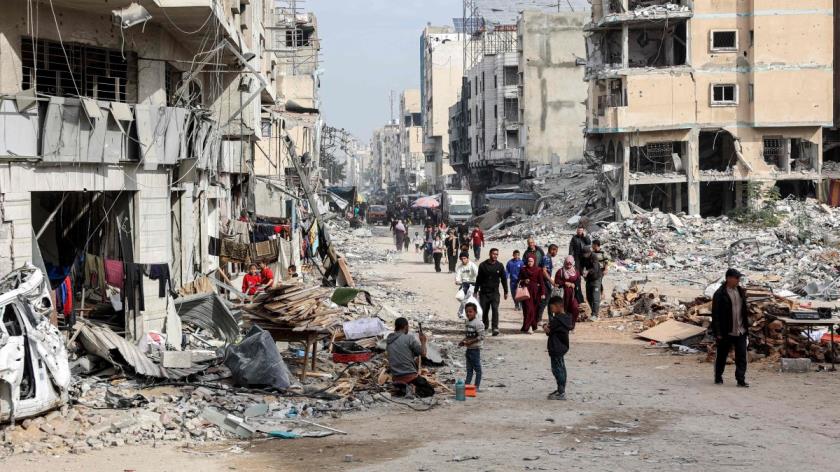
(470, 391)
(350, 358)
(460, 394)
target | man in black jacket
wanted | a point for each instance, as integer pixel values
(730, 325)
(491, 273)
(580, 241)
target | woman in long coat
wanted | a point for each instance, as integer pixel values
(567, 278)
(531, 277)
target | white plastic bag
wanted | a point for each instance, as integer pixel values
(363, 328)
(472, 299)
(459, 295)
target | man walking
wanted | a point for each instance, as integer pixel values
(491, 273)
(580, 241)
(595, 265)
(477, 237)
(547, 264)
(730, 324)
(512, 268)
(533, 250)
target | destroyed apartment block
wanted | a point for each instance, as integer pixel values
(688, 107)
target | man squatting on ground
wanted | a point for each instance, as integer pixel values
(403, 349)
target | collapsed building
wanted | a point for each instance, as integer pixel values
(691, 102)
(521, 106)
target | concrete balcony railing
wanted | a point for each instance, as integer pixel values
(509, 155)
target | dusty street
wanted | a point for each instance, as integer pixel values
(629, 408)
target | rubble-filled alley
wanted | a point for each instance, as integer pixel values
(584, 234)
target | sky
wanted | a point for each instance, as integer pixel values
(368, 48)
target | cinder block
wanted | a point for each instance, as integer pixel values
(797, 366)
(177, 359)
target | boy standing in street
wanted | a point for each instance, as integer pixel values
(557, 329)
(473, 339)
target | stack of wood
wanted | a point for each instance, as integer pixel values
(296, 307)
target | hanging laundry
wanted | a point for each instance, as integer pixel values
(64, 297)
(133, 289)
(114, 273)
(265, 251)
(160, 272)
(95, 273)
(235, 251)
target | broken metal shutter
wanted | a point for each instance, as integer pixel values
(18, 131)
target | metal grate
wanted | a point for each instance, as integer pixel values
(88, 71)
(773, 150)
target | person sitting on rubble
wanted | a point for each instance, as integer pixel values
(252, 282)
(291, 272)
(403, 348)
(266, 276)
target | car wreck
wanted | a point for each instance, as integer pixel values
(34, 371)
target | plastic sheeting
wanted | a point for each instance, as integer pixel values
(256, 362)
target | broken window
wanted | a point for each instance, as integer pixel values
(724, 41)
(511, 75)
(657, 158)
(659, 45)
(774, 150)
(512, 109)
(669, 198)
(299, 38)
(717, 151)
(724, 94)
(416, 119)
(76, 69)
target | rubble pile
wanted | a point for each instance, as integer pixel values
(566, 197)
(635, 310)
(800, 255)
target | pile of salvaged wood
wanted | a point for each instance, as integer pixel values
(296, 307)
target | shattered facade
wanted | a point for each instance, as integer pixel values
(134, 121)
(441, 69)
(412, 160)
(522, 102)
(690, 103)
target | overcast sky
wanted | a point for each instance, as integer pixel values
(368, 48)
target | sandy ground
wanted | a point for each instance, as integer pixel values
(629, 408)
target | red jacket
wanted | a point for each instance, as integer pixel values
(250, 284)
(477, 237)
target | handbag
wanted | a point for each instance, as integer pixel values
(521, 294)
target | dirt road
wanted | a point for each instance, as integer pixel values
(629, 408)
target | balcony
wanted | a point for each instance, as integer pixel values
(505, 156)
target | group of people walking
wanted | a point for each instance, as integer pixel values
(530, 277)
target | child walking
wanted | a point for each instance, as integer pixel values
(473, 339)
(557, 329)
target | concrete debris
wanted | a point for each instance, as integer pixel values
(668, 321)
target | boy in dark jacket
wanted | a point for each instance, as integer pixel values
(557, 329)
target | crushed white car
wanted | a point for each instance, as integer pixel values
(34, 370)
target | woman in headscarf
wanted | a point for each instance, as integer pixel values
(567, 278)
(532, 277)
(399, 231)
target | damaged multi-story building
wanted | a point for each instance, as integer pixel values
(127, 134)
(522, 105)
(412, 165)
(692, 102)
(441, 69)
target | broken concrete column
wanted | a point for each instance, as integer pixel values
(692, 171)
